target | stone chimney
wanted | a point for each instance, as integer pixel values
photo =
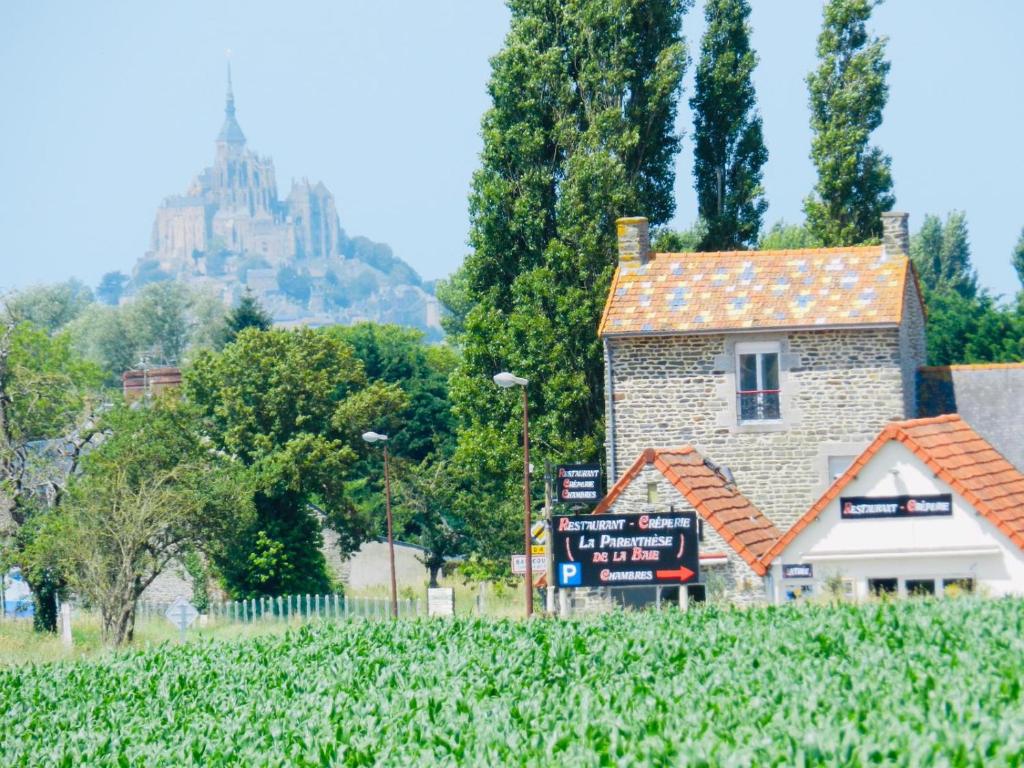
(896, 233)
(634, 241)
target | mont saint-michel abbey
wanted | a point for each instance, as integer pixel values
(230, 232)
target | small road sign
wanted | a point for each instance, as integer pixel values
(540, 564)
(181, 614)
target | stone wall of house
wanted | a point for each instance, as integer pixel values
(913, 352)
(839, 388)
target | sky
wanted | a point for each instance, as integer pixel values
(107, 108)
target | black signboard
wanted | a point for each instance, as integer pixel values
(797, 571)
(869, 507)
(578, 484)
(625, 550)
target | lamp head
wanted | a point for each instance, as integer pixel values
(506, 380)
(373, 437)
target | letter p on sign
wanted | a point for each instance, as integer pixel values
(569, 575)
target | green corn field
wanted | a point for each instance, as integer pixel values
(911, 683)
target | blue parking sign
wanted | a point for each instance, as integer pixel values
(569, 575)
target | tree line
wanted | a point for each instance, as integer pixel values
(234, 475)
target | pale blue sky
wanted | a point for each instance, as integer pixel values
(108, 107)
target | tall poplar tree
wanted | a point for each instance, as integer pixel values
(1018, 258)
(581, 131)
(942, 255)
(847, 95)
(729, 149)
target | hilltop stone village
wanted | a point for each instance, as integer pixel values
(230, 233)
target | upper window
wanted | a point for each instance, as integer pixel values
(757, 382)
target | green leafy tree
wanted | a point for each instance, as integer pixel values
(47, 398)
(787, 237)
(942, 255)
(290, 405)
(729, 149)
(427, 496)
(248, 314)
(150, 493)
(1018, 259)
(681, 241)
(111, 288)
(973, 329)
(50, 307)
(847, 95)
(581, 131)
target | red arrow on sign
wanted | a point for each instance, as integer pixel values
(683, 574)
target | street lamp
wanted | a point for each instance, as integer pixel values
(373, 437)
(506, 380)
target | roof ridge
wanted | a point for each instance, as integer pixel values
(777, 251)
(962, 483)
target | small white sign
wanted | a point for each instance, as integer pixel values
(182, 613)
(540, 564)
(441, 601)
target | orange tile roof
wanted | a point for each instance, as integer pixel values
(736, 290)
(740, 524)
(959, 457)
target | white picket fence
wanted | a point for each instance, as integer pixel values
(296, 608)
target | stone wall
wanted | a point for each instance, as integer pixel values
(913, 353)
(987, 396)
(839, 388)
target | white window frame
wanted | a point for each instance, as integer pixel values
(757, 348)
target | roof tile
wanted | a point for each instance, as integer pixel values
(959, 457)
(733, 516)
(756, 289)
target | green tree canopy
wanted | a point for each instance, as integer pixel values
(729, 149)
(581, 131)
(1018, 259)
(291, 406)
(150, 492)
(942, 255)
(787, 237)
(111, 288)
(248, 314)
(847, 95)
(47, 400)
(49, 307)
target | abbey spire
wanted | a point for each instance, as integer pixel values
(231, 133)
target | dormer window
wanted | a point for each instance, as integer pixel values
(757, 382)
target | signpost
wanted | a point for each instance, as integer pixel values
(626, 550)
(578, 484)
(867, 507)
(181, 614)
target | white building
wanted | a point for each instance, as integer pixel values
(927, 506)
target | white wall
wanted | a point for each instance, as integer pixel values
(964, 545)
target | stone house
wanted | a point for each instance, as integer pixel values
(734, 535)
(782, 366)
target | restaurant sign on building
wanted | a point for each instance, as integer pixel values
(578, 484)
(867, 507)
(626, 550)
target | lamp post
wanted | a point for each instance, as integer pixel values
(506, 380)
(373, 437)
